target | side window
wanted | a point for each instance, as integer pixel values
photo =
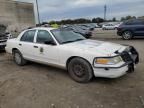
(28, 36)
(129, 22)
(43, 36)
(137, 22)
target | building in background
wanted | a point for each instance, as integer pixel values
(16, 15)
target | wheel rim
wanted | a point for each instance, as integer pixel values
(79, 70)
(127, 35)
(17, 58)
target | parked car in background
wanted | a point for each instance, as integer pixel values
(4, 36)
(89, 26)
(83, 58)
(131, 28)
(95, 25)
(84, 27)
(78, 29)
(109, 27)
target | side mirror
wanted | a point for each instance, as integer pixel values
(51, 42)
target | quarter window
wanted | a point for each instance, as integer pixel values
(28, 36)
(43, 36)
(134, 22)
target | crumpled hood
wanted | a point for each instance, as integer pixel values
(105, 48)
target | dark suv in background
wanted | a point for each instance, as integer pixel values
(131, 28)
(4, 36)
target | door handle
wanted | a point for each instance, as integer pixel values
(35, 46)
(20, 44)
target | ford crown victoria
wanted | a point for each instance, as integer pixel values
(83, 58)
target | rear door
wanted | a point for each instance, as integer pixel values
(26, 44)
(142, 28)
(138, 26)
(110, 26)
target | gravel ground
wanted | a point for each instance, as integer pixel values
(40, 86)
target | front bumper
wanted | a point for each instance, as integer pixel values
(130, 57)
(110, 73)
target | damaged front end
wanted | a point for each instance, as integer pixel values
(4, 36)
(131, 57)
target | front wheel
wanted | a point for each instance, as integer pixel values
(127, 35)
(80, 70)
(18, 58)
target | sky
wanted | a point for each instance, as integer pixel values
(71, 9)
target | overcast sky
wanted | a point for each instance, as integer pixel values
(63, 9)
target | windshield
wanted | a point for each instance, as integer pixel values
(66, 36)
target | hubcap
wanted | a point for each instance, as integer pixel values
(79, 70)
(17, 58)
(127, 35)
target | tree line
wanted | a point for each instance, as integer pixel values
(94, 20)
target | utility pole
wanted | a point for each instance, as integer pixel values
(38, 11)
(105, 12)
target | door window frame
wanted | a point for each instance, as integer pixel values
(24, 34)
(35, 40)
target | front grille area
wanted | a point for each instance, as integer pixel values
(126, 57)
(135, 54)
(3, 38)
(130, 56)
(3, 41)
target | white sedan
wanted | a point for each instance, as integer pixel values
(83, 58)
(110, 27)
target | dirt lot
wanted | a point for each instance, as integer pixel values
(40, 86)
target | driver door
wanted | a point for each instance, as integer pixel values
(47, 53)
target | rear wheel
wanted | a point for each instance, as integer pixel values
(127, 35)
(18, 58)
(104, 28)
(115, 28)
(80, 70)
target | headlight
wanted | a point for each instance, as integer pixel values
(108, 61)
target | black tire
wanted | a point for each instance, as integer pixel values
(104, 28)
(18, 58)
(127, 35)
(80, 70)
